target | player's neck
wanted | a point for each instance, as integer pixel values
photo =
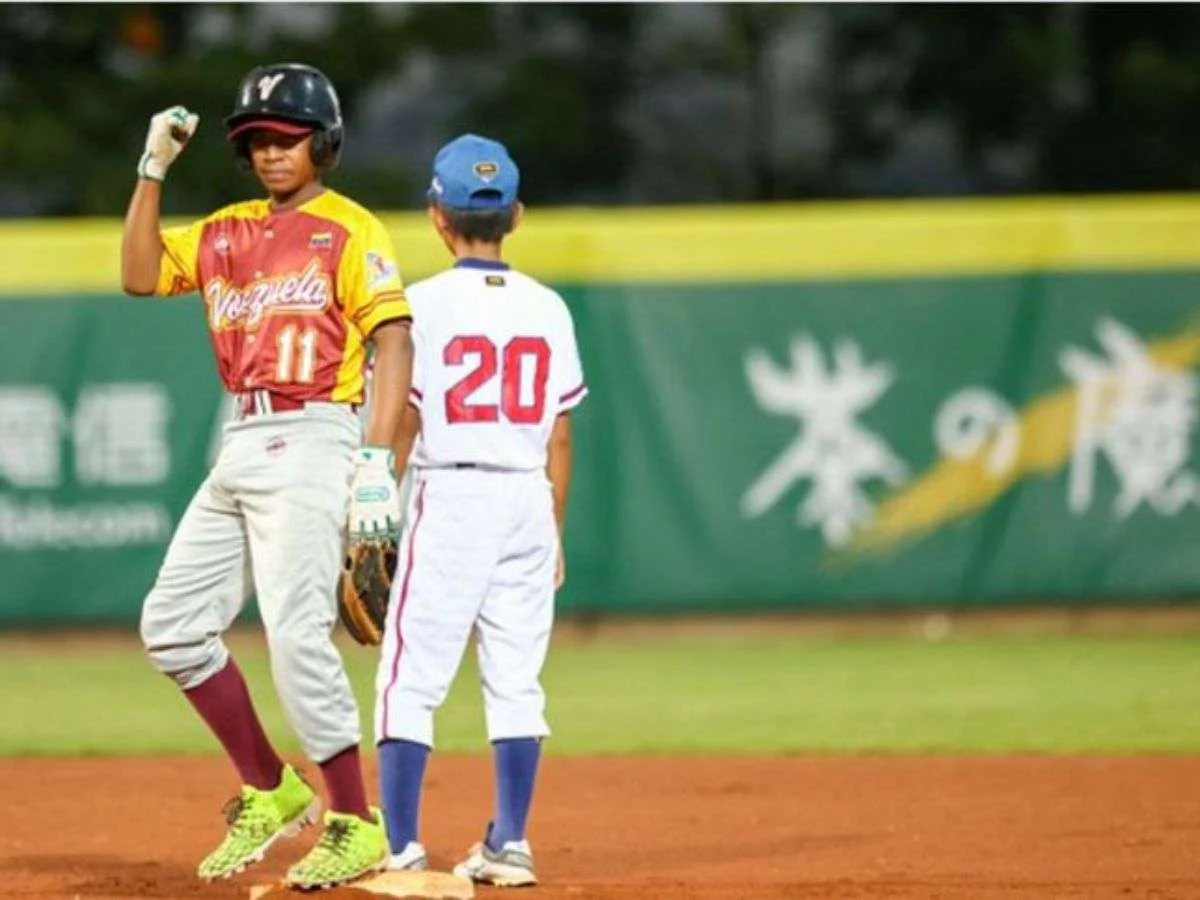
(476, 250)
(298, 197)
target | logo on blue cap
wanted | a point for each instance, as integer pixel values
(473, 172)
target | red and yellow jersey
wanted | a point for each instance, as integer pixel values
(291, 296)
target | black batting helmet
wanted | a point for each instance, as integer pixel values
(289, 94)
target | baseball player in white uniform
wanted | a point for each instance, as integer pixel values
(496, 374)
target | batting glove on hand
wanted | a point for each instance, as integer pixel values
(170, 130)
(374, 495)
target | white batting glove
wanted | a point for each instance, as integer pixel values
(374, 495)
(170, 130)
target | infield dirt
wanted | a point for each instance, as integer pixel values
(669, 827)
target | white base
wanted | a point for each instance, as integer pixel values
(429, 885)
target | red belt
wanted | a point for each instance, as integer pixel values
(258, 403)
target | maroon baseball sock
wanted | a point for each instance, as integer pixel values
(224, 703)
(344, 781)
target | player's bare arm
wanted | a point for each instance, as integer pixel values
(558, 470)
(141, 240)
(374, 493)
(391, 382)
(410, 427)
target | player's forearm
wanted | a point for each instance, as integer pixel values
(410, 427)
(390, 383)
(558, 467)
(141, 240)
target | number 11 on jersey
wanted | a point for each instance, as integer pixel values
(296, 355)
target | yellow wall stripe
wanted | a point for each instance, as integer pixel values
(951, 490)
(782, 242)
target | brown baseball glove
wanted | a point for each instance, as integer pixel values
(366, 585)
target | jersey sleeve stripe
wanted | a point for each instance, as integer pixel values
(180, 281)
(572, 398)
(176, 260)
(378, 300)
(573, 393)
(366, 310)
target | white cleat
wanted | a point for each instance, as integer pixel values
(411, 859)
(510, 866)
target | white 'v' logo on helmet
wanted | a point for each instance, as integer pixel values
(267, 84)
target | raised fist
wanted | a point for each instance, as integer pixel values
(169, 131)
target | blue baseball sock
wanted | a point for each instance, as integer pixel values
(516, 762)
(401, 772)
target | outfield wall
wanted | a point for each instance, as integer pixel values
(815, 406)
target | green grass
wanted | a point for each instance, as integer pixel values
(695, 695)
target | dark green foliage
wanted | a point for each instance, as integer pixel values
(625, 103)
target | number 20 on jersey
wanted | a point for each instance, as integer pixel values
(512, 364)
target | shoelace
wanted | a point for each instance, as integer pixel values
(336, 834)
(235, 812)
(232, 810)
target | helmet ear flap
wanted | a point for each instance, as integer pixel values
(241, 150)
(318, 148)
(324, 147)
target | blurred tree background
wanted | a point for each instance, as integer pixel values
(622, 103)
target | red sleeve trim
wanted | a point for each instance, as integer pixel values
(378, 300)
(176, 260)
(404, 318)
(572, 394)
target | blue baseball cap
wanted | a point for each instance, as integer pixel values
(473, 172)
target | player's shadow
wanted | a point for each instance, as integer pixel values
(92, 877)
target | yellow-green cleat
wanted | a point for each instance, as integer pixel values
(257, 819)
(349, 849)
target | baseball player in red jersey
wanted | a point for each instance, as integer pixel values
(496, 375)
(294, 287)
